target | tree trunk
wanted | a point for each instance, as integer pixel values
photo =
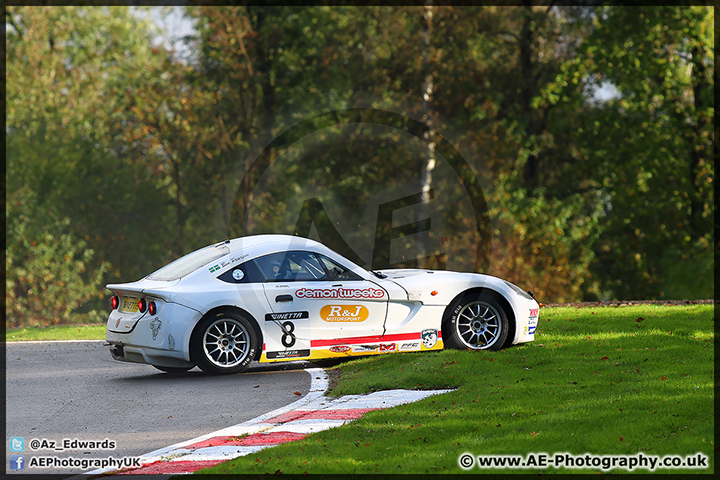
(428, 162)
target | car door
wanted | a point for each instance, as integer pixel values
(316, 302)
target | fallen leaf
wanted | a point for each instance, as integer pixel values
(298, 393)
(621, 439)
(604, 358)
(663, 378)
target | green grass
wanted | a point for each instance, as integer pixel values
(606, 381)
(61, 332)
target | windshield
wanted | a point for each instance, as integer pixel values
(189, 263)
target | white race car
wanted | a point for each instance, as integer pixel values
(279, 298)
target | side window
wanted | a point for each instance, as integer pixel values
(337, 271)
(246, 273)
(291, 267)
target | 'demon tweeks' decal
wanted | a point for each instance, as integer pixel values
(369, 293)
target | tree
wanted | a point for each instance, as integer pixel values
(651, 149)
(68, 71)
(47, 282)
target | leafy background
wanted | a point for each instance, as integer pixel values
(591, 127)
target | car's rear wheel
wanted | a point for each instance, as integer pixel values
(477, 322)
(223, 343)
(173, 369)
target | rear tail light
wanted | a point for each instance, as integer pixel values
(142, 305)
(115, 302)
(152, 309)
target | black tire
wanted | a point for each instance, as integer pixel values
(173, 369)
(476, 322)
(223, 343)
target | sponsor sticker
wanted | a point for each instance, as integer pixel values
(340, 349)
(409, 346)
(269, 317)
(288, 354)
(533, 320)
(222, 265)
(388, 347)
(364, 348)
(370, 293)
(429, 337)
(155, 327)
(344, 313)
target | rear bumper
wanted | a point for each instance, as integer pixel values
(163, 339)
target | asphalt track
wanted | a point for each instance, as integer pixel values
(75, 390)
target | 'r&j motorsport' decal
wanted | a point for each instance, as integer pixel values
(344, 313)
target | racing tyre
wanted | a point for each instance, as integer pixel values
(173, 369)
(223, 343)
(476, 322)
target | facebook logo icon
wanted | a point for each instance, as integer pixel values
(17, 462)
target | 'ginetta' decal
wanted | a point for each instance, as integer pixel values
(269, 317)
(373, 293)
(288, 354)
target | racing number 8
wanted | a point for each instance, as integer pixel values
(288, 338)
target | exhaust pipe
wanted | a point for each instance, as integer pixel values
(117, 352)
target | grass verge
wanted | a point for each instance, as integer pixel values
(605, 381)
(60, 332)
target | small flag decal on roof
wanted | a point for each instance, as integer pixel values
(215, 268)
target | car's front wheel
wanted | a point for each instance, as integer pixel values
(223, 343)
(477, 322)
